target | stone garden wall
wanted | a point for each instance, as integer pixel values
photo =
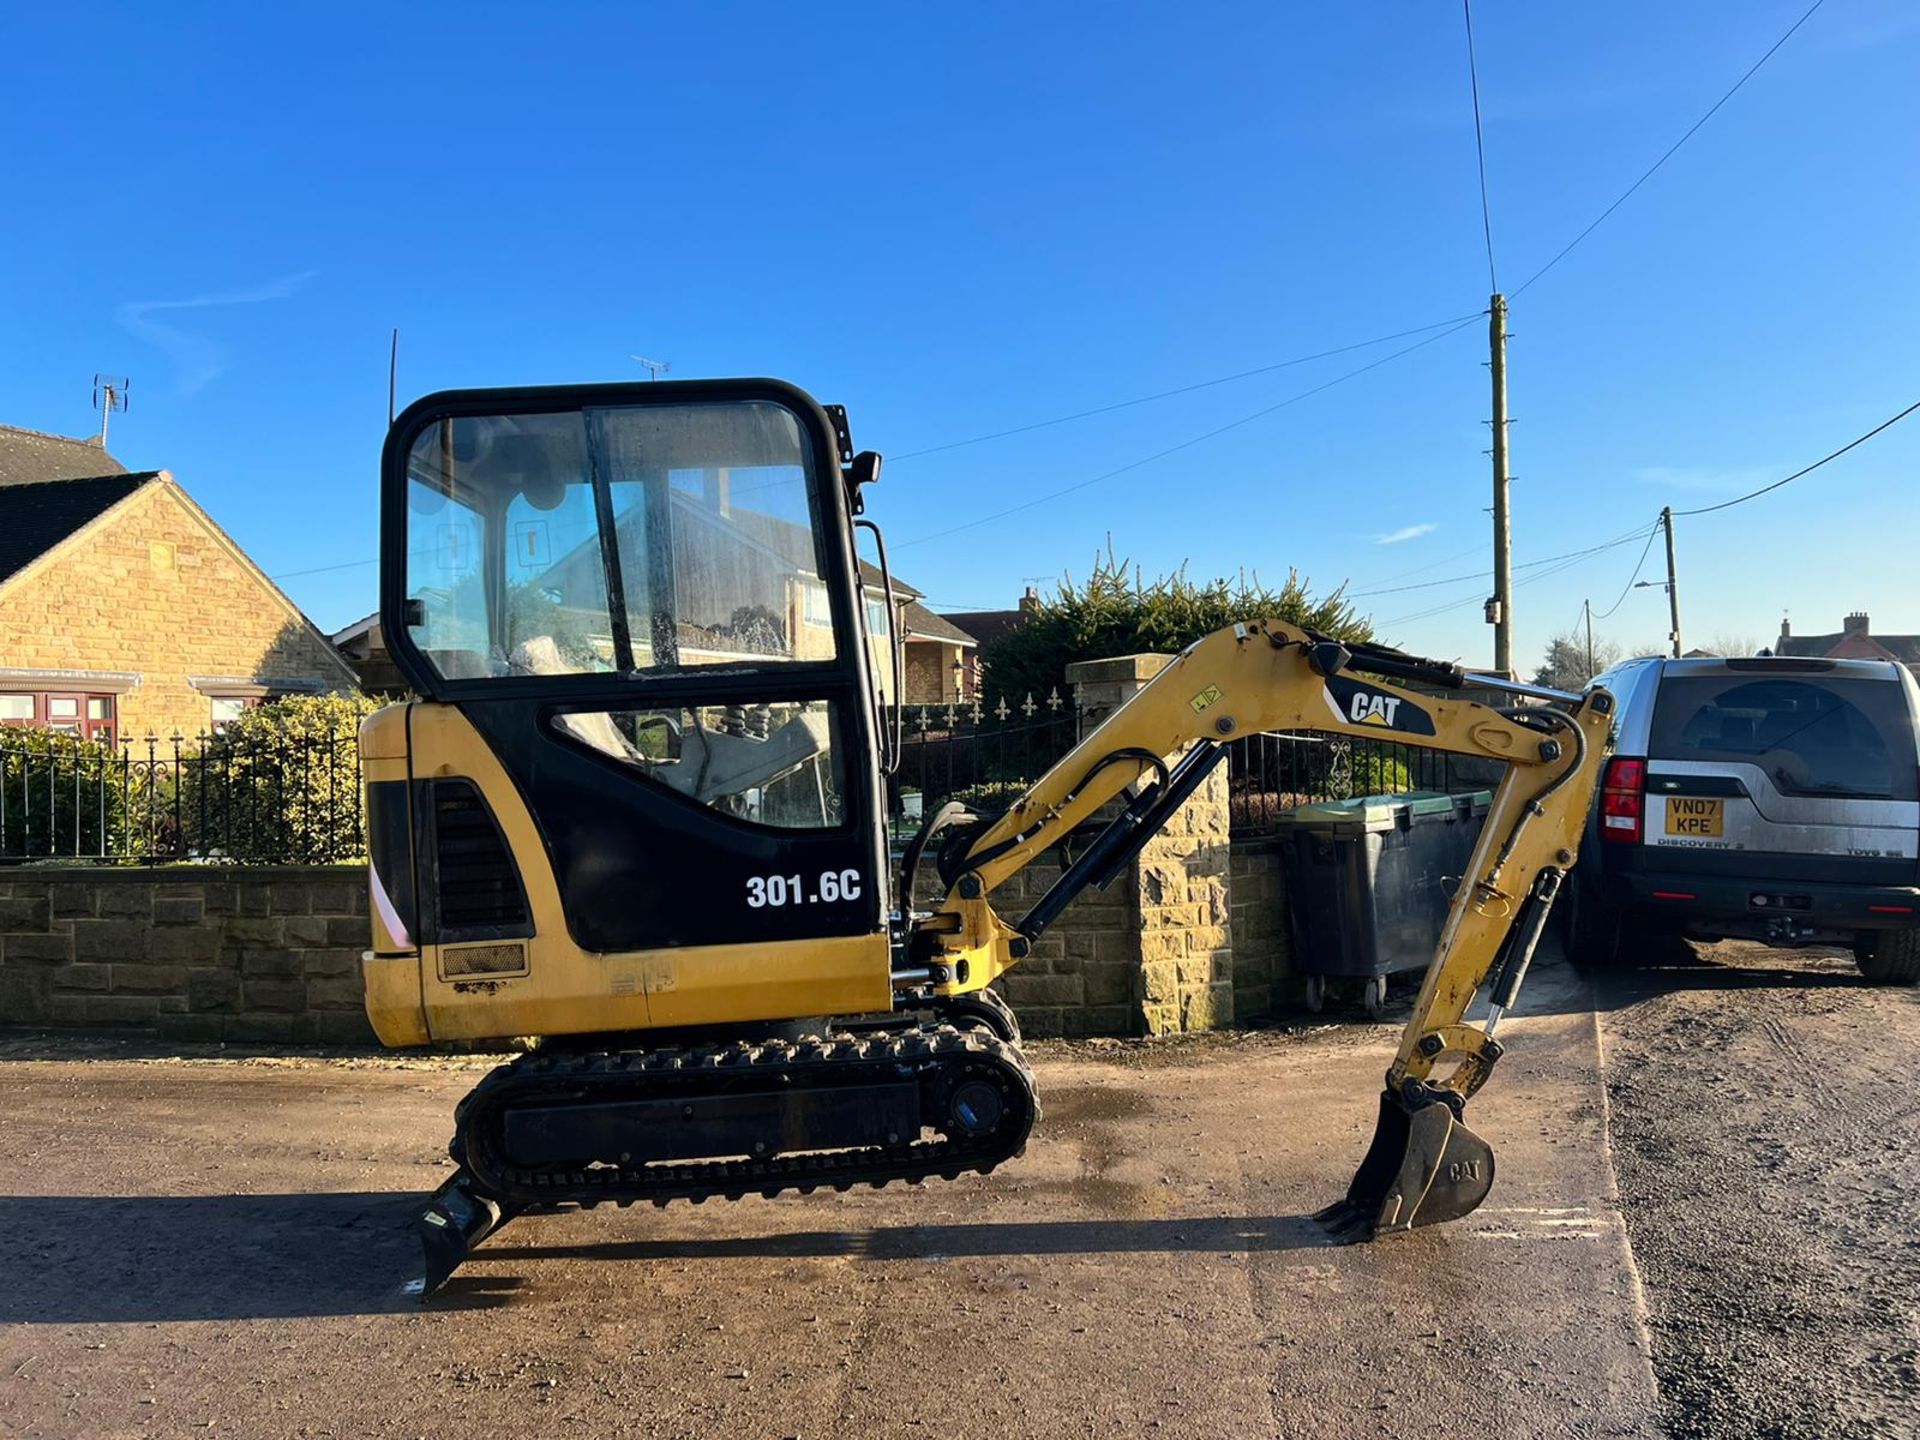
(256, 954)
(1191, 935)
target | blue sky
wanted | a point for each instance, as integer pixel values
(957, 220)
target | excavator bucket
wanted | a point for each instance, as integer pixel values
(1424, 1166)
(456, 1219)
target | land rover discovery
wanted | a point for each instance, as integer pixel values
(1773, 799)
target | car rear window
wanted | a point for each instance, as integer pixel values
(1811, 735)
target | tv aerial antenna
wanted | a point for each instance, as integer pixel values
(655, 368)
(109, 395)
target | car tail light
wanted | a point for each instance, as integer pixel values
(1623, 801)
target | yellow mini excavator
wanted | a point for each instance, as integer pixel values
(638, 812)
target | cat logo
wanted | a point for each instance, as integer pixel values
(1355, 704)
(1373, 709)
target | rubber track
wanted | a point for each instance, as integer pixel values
(663, 1073)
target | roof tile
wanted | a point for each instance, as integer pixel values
(36, 517)
(922, 624)
(31, 457)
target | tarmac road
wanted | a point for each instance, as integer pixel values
(194, 1246)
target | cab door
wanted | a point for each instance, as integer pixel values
(643, 599)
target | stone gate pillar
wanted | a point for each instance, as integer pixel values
(1178, 947)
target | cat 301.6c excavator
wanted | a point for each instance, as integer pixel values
(638, 811)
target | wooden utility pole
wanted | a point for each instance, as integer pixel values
(1673, 589)
(1500, 607)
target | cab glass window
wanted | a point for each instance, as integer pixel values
(773, 764)
(632, 538)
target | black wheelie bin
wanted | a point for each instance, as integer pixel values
(1369, 881)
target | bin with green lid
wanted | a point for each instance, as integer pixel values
(1369, 881)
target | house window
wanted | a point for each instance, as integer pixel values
(877, 617)
(90, 716)
(814, 608)
(229, 708)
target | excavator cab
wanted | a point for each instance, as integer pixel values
(651, 730)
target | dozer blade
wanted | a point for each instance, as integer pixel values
(456, 1219)
(1424, 1166)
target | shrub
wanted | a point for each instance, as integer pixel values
(1376, 774)
(1114, 612)
(281, 783)
(64, 796)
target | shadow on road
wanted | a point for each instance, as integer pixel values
(1615, 988)
(954, 1242)
(1661, 965)
(1669, 963)
(85, 1258)
(75, 1259)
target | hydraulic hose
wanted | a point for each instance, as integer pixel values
(1527, 715)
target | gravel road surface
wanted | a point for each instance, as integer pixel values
(1766, 1130)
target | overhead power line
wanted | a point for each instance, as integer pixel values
(1181, 389)
(1488, 574)
(1474, 549)
(1573, 558)
(1457, 323)
(1555, 564)
(1627, 194)
(1546, 569)
(1627, 588)
(1807, 470)
(1187, 444)
(325, 569)
(1480, 146)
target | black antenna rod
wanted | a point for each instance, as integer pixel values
(393, 371)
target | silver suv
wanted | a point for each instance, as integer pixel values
(1774, 799)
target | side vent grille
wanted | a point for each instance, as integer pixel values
(477, 887)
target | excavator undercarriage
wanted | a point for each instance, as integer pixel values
(727, 1120)
(640, 815)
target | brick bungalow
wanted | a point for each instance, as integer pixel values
(1856, 641)
(126, 611)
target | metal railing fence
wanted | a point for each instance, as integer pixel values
(982, 755)
(287, 801)
(985, 756)
(1269, 775)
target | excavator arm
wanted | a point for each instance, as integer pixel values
(1424, 1164)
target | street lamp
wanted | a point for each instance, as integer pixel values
(959, 679)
